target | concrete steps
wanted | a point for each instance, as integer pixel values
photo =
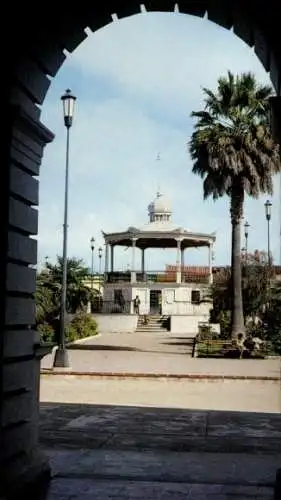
(156, 323)
(121, 474)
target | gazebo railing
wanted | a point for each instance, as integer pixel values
(115, 307)
(155, 277)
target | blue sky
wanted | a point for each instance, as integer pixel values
(137, 81)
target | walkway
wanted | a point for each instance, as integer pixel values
(128, 437)
(150, 354)
(236, 395)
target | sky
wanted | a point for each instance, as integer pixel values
(137, 80)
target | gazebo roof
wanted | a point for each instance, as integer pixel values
(160, 231)
(159, 237)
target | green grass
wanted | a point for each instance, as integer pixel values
(210, 348)
(213, 349)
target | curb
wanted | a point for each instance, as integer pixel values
(172, 376)
(82, 341)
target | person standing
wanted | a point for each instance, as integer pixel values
(137, 304)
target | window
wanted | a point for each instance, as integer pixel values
(195, 296)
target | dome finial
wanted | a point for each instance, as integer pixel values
(158, 192)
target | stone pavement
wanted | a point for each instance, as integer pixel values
(239, 395)
(153, 354)
(127, 437)
(118, 452)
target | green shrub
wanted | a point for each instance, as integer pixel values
(47, 332)
(82, 325)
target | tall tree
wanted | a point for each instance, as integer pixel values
(49, 284)
(235, 155)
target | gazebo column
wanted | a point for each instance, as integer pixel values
(133, 270)
(182, 260)
(111, 258)
(178, 279)
(142, 262)
(210, 259)
(106, 260)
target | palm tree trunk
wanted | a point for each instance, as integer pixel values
(237, 316)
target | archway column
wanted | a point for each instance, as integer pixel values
(21, 458)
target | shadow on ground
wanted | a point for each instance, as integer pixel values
(100, 347)
(124, 348)
(180, 343)
(166, 429)
(130, 452)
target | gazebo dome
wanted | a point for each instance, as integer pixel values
(160, 209)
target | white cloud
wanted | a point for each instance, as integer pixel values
(137, 82)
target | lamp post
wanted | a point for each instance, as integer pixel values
(92, 242)
(267, 207)
(61, 356)
(246, 233)
(100, 257)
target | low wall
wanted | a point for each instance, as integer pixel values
(116, 323)
(187, 324)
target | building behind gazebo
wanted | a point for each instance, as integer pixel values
(173, 293)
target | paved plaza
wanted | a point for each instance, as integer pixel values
(133, 437)
(239, 395)
(148, 353)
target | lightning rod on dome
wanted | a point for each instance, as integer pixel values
(158, 192)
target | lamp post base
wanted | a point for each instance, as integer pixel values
(61, 358)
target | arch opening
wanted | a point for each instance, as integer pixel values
(41, 50)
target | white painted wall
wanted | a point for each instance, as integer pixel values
(116, 323)
(178, 301)
(175, 301)
(187, 325)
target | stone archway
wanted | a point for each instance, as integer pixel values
(39, 41)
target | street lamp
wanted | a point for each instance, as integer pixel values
(100, 257)
(61, 356)
(92, 242)
(267, 207)
(246, 233)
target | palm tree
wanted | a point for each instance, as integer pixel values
(47, 308)
(235, 155)
(78, 294)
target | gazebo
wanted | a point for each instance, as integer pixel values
(171, 292)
